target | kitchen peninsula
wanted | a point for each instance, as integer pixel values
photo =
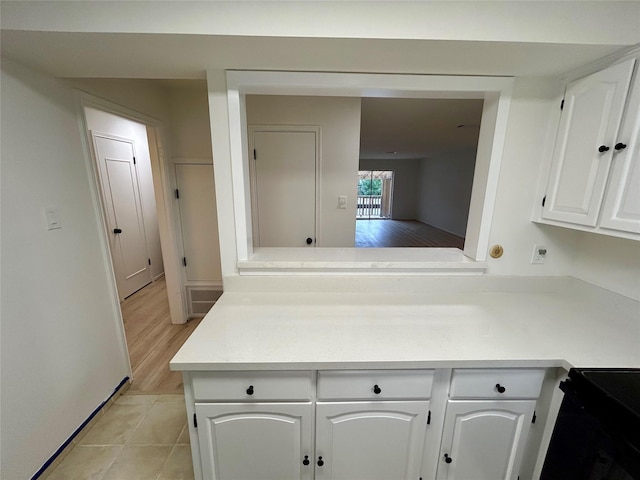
(325, 361)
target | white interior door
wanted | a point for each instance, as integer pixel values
(123, 209)
(284, 170)
(198, 221)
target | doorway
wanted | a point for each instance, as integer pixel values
(375, 194)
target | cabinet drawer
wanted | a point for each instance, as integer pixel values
(496, 383)
(374, 384)
(252, 386)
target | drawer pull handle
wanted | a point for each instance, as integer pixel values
(320, 461)
(377, 390)
(305, 462)
(447, 458)
(250, 390)
(500, 388)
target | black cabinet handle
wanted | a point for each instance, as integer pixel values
(447, 458)
(309, 241)
(620, 146)
(603, 148)
(250, 390)
(320, 461)
(377, 390)
(305, 462)
(500, 388)
(117, 230)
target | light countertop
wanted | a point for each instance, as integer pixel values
(581, 326)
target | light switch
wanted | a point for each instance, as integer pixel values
(53, 218)
(342, 201)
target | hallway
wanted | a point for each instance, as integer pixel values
(153, 340)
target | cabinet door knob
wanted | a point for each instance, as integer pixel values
(250, 390)
(620, 146)
(500, 388)
(447, 458)
(117, 230)
(309, 240)
(320, 461)
(603, 148)
(377, 390)
(305, 462)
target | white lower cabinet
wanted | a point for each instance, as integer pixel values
(265, 441)
(370, 440)
(369, 424)
(484, 439)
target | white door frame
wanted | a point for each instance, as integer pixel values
(253, 175)
(170, 252)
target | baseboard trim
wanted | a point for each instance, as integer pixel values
(66, 444)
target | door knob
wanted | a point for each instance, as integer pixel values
(250, 390)
(305, 462)
(117, 230)
(500, 388)
(309, 241)
(320, 461)
(620, 146)
(603, 148)
(447, 458)
(377, 390)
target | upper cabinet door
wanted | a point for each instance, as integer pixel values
(585, 145)
(621, 208)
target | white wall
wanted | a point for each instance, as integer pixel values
(445, 191)
(339, 119)
(103, 122)
(405, 185)
(63, 350)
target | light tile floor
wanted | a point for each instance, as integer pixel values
(141, 437)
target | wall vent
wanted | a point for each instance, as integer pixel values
(201, 299)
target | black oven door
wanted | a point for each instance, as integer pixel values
(585, 446)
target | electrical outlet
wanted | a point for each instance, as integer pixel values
(539, 253)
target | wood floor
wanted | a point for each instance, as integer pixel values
(153, 340)
(403, 233)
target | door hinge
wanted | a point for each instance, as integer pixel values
(254, 154)
(177, 193)
(184, 261)
(533, 420)
(429, 418)
(149, 261)
(195, 421)
(544, 200)
(562, 104)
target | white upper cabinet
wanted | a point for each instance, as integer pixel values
(585, 145)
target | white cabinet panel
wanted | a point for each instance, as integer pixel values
(484, 439)
(621, 209)
(374, 384)
(593, 109)
(370, 440)
(255, 441)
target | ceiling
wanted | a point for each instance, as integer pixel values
(176, 56)
(407, 128)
